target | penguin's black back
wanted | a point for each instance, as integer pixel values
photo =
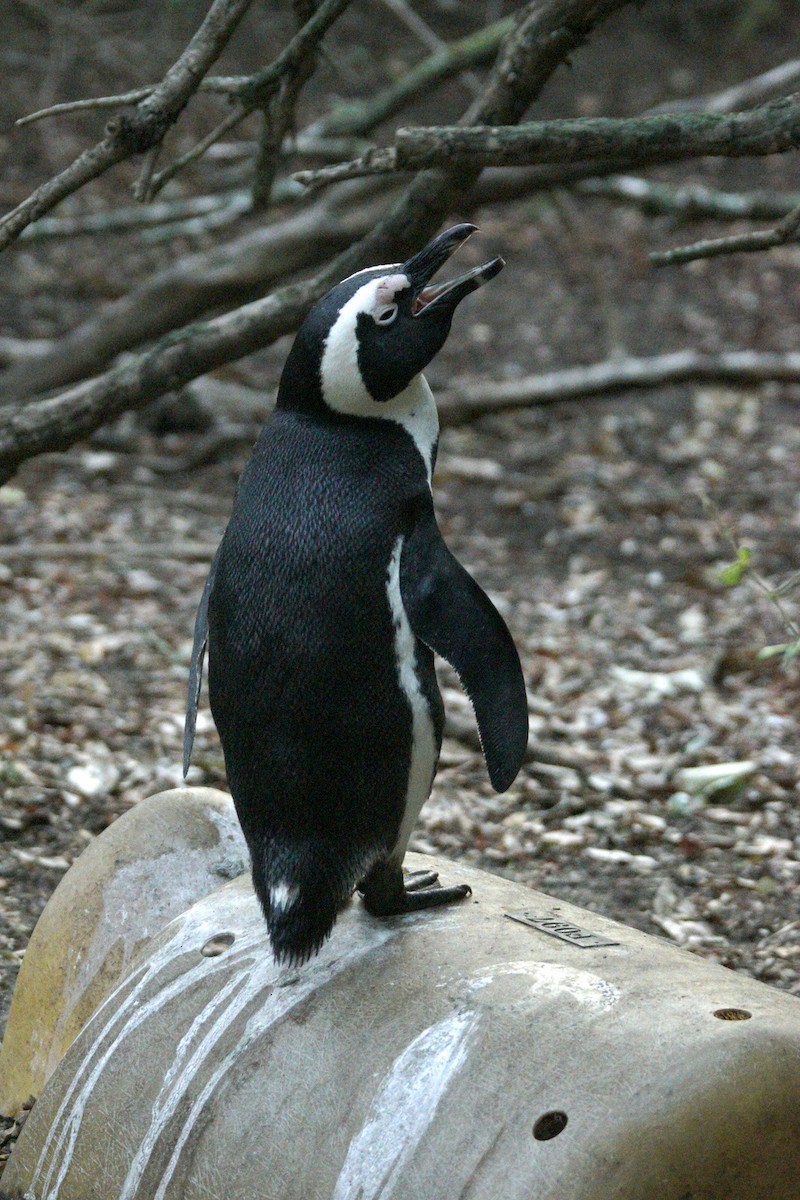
(303, 676)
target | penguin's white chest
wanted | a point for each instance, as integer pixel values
(422, 764)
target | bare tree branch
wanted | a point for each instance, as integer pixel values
(139, 216)
(128, 135)
(197, 151)
(737, 368)
(413, 21)
(690, 201)
(760, 239)
(92, 102)
(741, 95)
(278, 116)
(772, 128)
(253, 91)
(378, 160)
(360, 116)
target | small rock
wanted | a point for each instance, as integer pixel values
(716, 778)
(660, 684)
(93, 779)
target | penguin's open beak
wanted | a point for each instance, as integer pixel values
(423, 266)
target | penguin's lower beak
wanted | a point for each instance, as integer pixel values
(423, 266)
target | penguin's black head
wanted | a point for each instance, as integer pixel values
(372, 335)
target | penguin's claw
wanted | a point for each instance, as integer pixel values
(414, 881)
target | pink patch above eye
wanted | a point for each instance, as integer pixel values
(387, 288)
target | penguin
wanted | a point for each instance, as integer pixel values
(330, 593)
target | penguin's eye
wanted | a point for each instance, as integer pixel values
(387, 315)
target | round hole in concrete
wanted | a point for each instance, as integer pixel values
(218, 944)
(733, 1014)
(549, 1125)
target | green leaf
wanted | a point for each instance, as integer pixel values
(732, 574)
(786, 649)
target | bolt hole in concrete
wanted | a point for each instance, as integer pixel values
(733, 1014)
(549, 1125)
(218, 944)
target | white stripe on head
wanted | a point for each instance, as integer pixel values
(388, 267)
(343, 388)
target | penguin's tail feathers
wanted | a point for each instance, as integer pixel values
(300, 907)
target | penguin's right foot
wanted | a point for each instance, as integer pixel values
(386, 894)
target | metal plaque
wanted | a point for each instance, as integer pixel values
(565, 931)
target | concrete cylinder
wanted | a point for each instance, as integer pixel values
(512, 1046)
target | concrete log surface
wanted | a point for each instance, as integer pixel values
(510, 1046)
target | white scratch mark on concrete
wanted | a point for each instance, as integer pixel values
(60, 1143)
(275, 1005)
(404, 1108)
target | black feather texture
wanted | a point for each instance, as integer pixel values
(330, 591)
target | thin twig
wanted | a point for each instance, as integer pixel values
(413, 21)
(257, 90)
(121, 220)
(379, 160)
(253, 91)
(161, 178)
(759, 239)
(278, 117)
(141, 188)
(70, 106)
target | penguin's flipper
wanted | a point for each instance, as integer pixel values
(451, 614)
(196, 668)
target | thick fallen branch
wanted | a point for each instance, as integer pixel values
(772, 128)
(57, 423)
(738, 368)
(135, 133)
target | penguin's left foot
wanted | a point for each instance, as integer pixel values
(387, 894)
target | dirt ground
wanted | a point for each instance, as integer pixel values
(599, 527)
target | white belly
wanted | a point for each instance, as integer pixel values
(423, 739)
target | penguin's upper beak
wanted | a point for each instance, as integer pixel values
(423, 266)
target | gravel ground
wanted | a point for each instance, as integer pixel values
(601, 530)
